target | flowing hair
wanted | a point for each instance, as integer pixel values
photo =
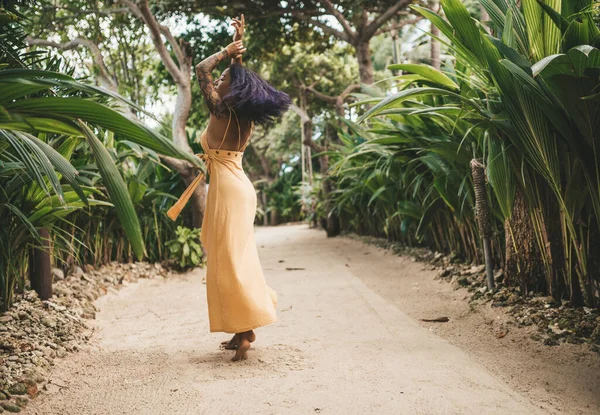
(253, 98)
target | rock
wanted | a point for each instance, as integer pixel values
(10, 407)
(6, 318)
(32, 390)
(595, 336)
(22, 401)
(477, 269)
(49, 322)
(26, 347)
(513, 299)
(501, 332)
(78, 272)
(462, 281)
(536, 337)
(18, 388)
(23, 315)
(525, 321)
(38, 378)
(58, 274)
(556, 329)
(446, 272)
(3, 396)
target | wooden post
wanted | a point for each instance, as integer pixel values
(40, 268)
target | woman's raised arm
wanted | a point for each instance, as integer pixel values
(239, 25)
(204, 74)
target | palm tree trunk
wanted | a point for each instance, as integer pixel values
(483, 218)
(40, 270)
(524, 265)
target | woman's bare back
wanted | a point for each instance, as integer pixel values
(233, 142)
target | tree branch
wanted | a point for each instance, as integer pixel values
(301, 113)
(399, 25)
(142, 11)
(73, 44)
(349, 90)
(380, 20)
(264, 162)
(329, 30)
(305, 119)
(338, 101)
(340, 18)
(327, 98)
(176, 164)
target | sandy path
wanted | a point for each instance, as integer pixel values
(338, 347)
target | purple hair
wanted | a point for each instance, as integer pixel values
(253, 98)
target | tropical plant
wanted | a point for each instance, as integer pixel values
(44, 117)
(523, 100)
(185, 249)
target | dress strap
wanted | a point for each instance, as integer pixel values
(249, 136)
(226, 129)
(239, 130)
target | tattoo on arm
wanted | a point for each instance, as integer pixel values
(204, 74)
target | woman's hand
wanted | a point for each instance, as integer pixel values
(235, 49)
(238, 24)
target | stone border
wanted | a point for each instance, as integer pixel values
(33, 333)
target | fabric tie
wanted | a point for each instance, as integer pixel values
(185, 196)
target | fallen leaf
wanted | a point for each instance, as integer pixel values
(436, 320)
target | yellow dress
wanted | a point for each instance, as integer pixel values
(238, 296)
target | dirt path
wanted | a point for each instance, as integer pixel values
(338, 347)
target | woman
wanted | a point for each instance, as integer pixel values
(239, 300)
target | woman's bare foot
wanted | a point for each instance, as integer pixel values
(243, 345)
(230, 344)
(233, 343)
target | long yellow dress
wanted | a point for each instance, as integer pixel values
(238, 296)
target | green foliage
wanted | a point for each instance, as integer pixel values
(48, 173)
(185, 249)
(525, 101)
(127, 51)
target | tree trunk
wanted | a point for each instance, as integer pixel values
(524, 264)
(483, 218)
(555, 277)
(435, 44)
(181, 114)
(180, 117)
(274, 217)
(198, 198)
(263, 195)
(40, 269)
(365, 66)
